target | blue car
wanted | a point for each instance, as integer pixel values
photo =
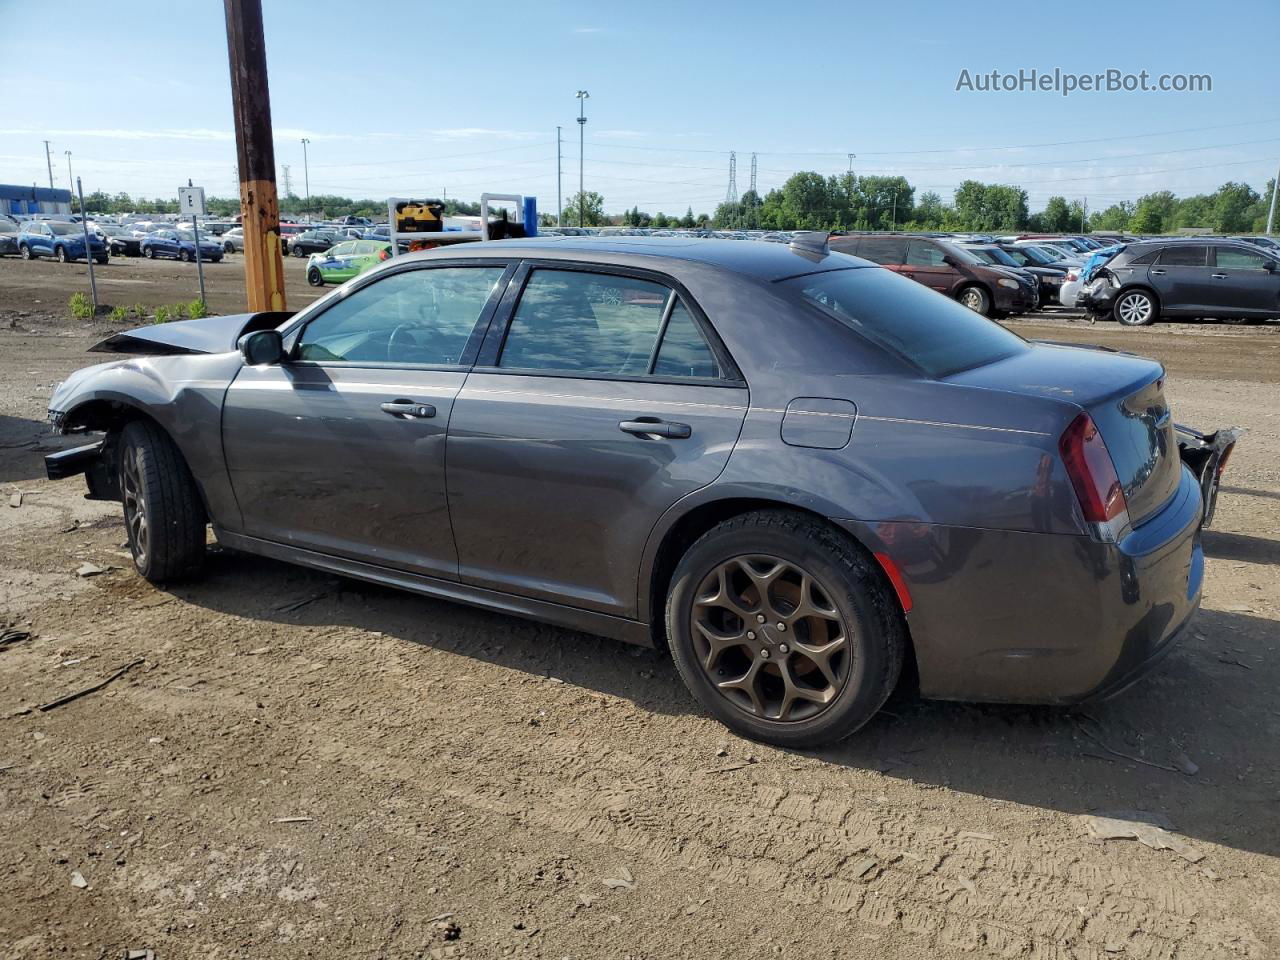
(171, 243)
(58, 239)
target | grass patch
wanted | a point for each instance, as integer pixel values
(81, 307)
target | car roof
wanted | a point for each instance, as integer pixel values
(764, 261)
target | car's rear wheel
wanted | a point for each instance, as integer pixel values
(149, 253)
(298, 251)
(228, 248)
(976, 299)
(101, 260)
(314, 278)
(784, 629)
(1134, 308)
(60, 253)
(163, 512)
(183, 255)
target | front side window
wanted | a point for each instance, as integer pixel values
(885, 250)
(1240, 259)
(1185, 255)
(423, 316)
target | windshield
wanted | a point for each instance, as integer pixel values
(931, 331)
(1034, 254)
(960, 253)
(997, 256)
(61, 229)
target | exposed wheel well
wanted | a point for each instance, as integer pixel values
(701, 519)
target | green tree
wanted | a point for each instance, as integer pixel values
(660, 221)
(1115, 217)
(989, 206)
(1056, 216)
(1233, 208)
(928, 213)
(585, 209)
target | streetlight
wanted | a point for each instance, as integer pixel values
(306, 175)
(583, 97)
(70, 182)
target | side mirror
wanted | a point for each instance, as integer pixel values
(262, 347)
(949, 260)
(1272, 265)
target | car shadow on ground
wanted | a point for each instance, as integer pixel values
(23, 444)
(1212, 701)
(1239, 546)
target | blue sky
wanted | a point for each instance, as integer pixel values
(415, 98)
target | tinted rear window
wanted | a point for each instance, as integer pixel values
(931, 331)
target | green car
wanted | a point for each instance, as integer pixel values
(348, 259)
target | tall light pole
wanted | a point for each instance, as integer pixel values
(70, 182)
(583, 97)
(306, 174)
(48, 159)
(1271, 215)
(559, 199)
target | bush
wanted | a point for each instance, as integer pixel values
(119, 314)
(179, 310)
(81, 307)
(196, 309)
(162, 315)
(139, 311)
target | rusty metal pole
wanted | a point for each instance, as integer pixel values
(251, 103)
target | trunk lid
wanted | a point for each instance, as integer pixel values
(1123, 393)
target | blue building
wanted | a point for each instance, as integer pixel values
(23, 201)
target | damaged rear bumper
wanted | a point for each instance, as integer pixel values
(1206, 455)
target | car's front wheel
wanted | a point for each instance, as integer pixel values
(784, 629)
(298, 251)
(314, 278)
(163, 512)
(60, 253)
(149, 252)
(26, 252)
(976, 299)
(228, 248)
(1134, 308)
(183, 255)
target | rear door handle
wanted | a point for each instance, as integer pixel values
(653, 427)
(1218, 276)
(409, 409)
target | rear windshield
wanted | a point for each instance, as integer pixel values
(931, 331)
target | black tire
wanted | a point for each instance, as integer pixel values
(228, 248)
(60, 254)
(101, 260)
(314, 277)
(976, 299)
(25, 252)
(183, 255)
(850, 582)
(156, 486)
(1135, 308)
(149, 252)
(298, 252)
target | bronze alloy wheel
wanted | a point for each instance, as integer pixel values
(770, 639)
(135, 504)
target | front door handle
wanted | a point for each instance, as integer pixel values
(1158, 273)
(653, 427)
(409, 409)
(1218, 276)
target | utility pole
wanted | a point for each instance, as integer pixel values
(1271, 215)
(731, 194)
(559, 198)
(306, 173)
(583, 97)
(288, 187)
(71, 184)
(48, 159)
(851, 156)
(1084, 214)
(88, 252)
(255, 153)
(893, 221)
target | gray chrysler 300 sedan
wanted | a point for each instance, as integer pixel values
(797, 470)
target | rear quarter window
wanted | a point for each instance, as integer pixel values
(930, 331)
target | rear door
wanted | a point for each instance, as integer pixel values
(1243, 282)
(1181, 278)
(606, 398)
(341, 449)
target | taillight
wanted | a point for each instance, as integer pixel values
(1072, 276)
(384, 255)
(1093, 475)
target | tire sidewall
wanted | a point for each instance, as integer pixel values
(859, 698)
(984, 299)
(315, 278)
(1151, 317)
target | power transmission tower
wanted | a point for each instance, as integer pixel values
(731, 195)
(288, 187)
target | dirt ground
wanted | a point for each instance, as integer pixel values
(298, 766)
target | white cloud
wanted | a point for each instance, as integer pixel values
(590, 29)
(621, 135)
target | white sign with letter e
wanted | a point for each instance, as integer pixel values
(191, 201)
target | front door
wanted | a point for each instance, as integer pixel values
(927, 264)
(609, 399)
(341, 448)
(1181, 278)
